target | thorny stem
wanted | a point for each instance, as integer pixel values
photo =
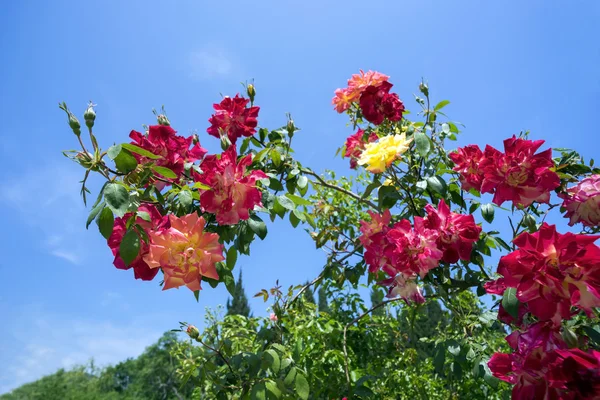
(303, 289)
(216, 351)
(324, 183)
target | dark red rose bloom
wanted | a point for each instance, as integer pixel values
(553, 272)
(233, 192)
(233, 118)
(467, 160)
(355, 144)
(518, 175)
(576, 374)
(456, 232)
(141, 270)
(377, 104)
(175, 150)
(534, 352)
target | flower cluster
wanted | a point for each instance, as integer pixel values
(233, 192)
(162, 140)
(182, 247)
(371, 90)
(542, 366)
(518, 175)
(355, 145)
(553, 274)
(233, 119)
(404, 251)
(582, 202)
(356, 85)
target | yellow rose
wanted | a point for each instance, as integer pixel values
(377, 156)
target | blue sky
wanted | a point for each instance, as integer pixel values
(506, 66)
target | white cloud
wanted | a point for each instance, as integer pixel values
(69, 342)
(210, 62)
(48, 199)
(66, 255)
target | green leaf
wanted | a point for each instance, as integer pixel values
(275, 184)
(258, 226)
(453, 347)
(302, 181)
(117, 198)
(510, 303)
(130, 246)
(123, 159)
(294, 220)
(185, 199)
(272, 389)
(259, 392)
(164, 171)
(592, 333)
(231, 259)
(290, 377)
(95, 211)
(422, 143)
(273, 360)
(298, 200)
(276, 157)
(106, 221)
(197, 295)
(372, 186)
(138, 150)
(286, 203)
(439, 358)
(302, 387)
(487, 212)
(441, 105)
(437, 184)
(144, 215)
(387, 196)
(201, 186)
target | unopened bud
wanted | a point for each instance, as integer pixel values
(84, 159)
(251, 92)
(291, 128)
(195, 139)
(163, 120)
(193, 332)
(225, 142)
(424, 88)
(89, 116)
(73, 121)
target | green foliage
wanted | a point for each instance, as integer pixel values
(407, 352)
(151, 376)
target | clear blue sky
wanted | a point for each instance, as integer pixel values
(506, 66)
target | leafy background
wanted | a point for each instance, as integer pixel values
(505, 67)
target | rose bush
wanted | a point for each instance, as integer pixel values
(407, 220)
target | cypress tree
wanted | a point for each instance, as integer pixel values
(376, 298)
(309, 295)
(323, 304)
(239, 303)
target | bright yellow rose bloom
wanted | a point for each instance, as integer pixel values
(377, 156)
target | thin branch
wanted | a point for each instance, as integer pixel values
(303, 289)
(323, 182)
(216, 352)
